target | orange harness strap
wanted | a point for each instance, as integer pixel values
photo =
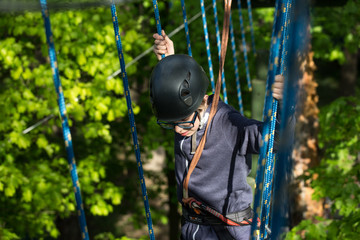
(224, 41)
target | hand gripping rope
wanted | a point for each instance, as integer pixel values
(244, 46)
(261, 181)
(279, 47)
(157, 19)
(206, 34)
(298, 47)
(132, 120)
(270, 157)
(64, 120)
(186, 28)
(218, 42)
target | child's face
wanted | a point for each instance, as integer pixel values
(191, 131)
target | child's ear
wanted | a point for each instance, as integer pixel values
(204, 101)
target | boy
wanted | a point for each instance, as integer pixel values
(178, 87)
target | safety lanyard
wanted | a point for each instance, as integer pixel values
(195, 160)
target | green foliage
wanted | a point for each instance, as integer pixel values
(110, 236)
(35, 186)
(337, 177)
(331, 34)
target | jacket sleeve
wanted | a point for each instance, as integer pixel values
(242, 134)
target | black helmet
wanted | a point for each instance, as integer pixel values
(177, 87)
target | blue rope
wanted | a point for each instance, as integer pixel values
(64, 119)
(271, 72)
(237, 77)
(186, 28)
(270, 159)
(280, 36)
(206, 34)
(298, 42)
(157, 19)
(283, 71)
(251, 26)
(274, 54)
(244, 46)
(132, 120)
(218, 41)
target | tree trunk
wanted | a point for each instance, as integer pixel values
(305, 152)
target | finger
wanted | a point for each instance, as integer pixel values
(167, 39)
(278, 85)
(279, 78)
(160, 42)
(277, 96)
(160, 47)
(160, 51)
(277, 93)
(158, 37)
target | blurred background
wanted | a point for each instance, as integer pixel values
(36, 196)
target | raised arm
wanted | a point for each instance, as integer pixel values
(163, 45)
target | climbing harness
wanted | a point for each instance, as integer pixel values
(132, 120)
(64, 120)
(201, 214)
(209, 216)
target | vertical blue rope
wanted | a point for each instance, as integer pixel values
(270, 159)
(186, 28)
(298, 44)
(157, 19)
(283, 71)
(271, 69)
(266, 197)
(237, 77)
(132, 120)
(206, 34)
(273, 64)
(251, 26)
(244, 46)
(218, 41)
(64, 119)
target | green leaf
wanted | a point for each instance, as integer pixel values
(81, 59)
(9, 191)
(27, 195)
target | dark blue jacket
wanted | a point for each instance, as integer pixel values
(219, 179)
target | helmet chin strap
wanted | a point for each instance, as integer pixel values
(193, 143)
